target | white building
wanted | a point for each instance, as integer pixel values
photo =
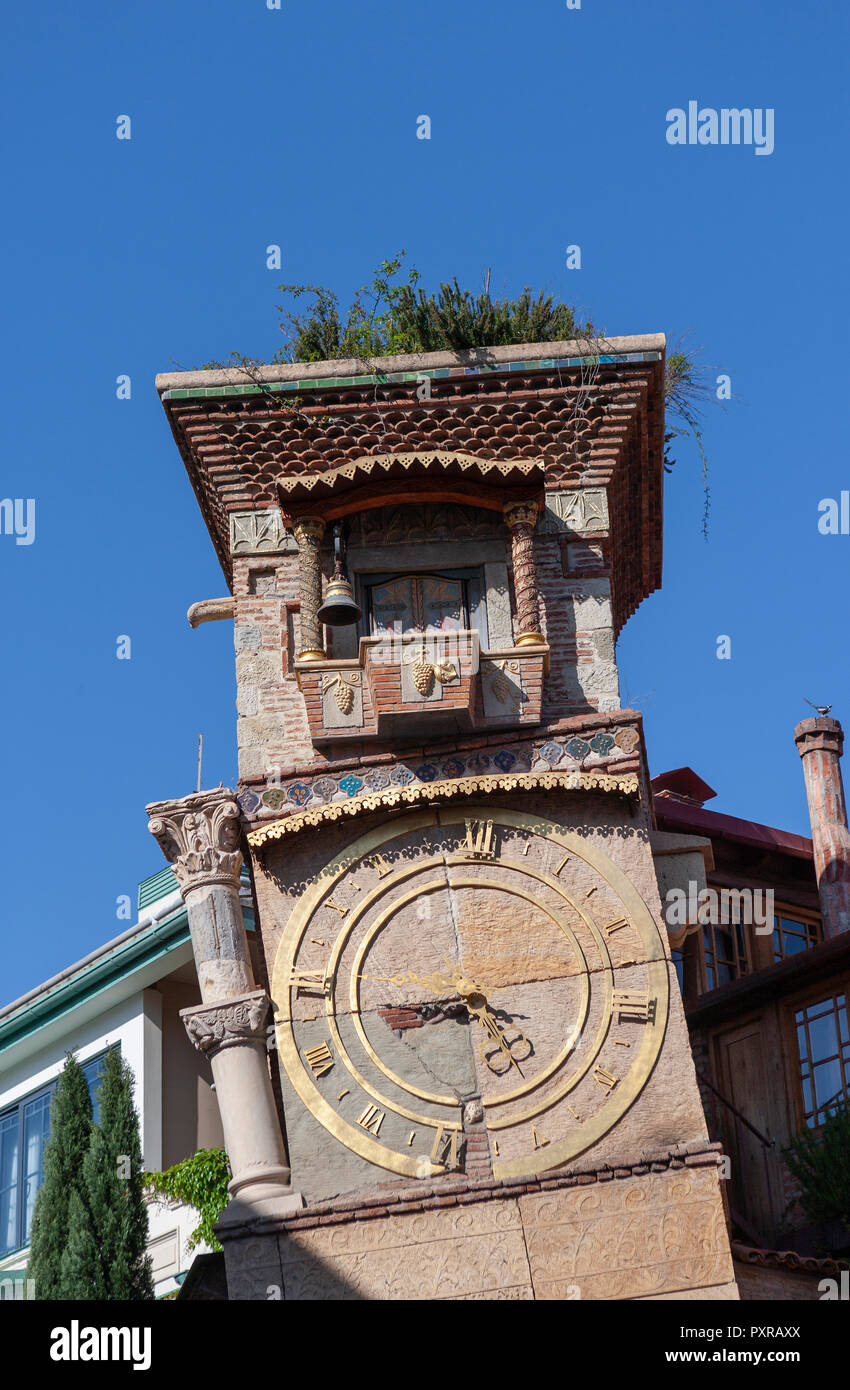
(128, 992)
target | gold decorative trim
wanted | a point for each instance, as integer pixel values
(444, 790)
(425, 461)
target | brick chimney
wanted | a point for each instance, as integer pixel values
(820, 743)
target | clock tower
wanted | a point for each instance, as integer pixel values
(456, 1066)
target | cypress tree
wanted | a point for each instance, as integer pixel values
(82, 1268)
(112, 1174)
(64, 1153)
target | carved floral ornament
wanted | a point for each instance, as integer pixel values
(199, 836)
(212, 1027)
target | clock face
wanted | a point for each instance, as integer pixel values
(467, 964)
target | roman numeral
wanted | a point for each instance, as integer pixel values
(539, 1141)
(479, 838)
(605, 1079)
(635, 1006)
(611, 927)
(320, 1058)
(310, 981)
(371, 1119)
(444, 1149)
(380, 864)
(559, 867)
(337, 907)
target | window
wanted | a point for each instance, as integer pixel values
(24, 1131)
(724, 952)
(447, 601)
(823, 1043)
(678, 956)
(793, 933)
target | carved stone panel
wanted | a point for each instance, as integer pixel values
(260, 533)
(580, 511)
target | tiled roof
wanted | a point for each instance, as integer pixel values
(589, 427)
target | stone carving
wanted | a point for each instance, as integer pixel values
(627, 1238)
(199, 836)
(580, 511)
(212, 1027)
(521, 518)
(260, 533)
(308, 534)
(424, 672)
(342, 685)
(502, 684)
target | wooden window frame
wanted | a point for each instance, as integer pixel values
(818, 994)
(804, 915)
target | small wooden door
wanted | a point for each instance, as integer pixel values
(744, 1081)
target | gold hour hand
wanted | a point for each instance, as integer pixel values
(498, 1051)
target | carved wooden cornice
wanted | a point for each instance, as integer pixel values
(444, 791)
(424, 463)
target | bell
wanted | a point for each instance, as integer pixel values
(339, 608)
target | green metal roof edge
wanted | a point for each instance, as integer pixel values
(149, 945)
(395, 378)
(156, 886)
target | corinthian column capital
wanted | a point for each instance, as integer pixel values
(520, 514)
(199, 836)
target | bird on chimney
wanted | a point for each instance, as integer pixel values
(821, 709)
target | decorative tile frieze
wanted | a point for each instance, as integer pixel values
(602, 749)
(358, 803)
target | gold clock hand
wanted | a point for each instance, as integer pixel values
(477, 1006)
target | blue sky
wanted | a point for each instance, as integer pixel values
(297, 126)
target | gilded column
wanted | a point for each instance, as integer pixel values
(199, 836)
(521, 518)
(308, 534)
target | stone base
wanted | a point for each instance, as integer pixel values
(658, 1235)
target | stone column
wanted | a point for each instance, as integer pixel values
(308, 533)
(199, 836)
(521, 518)
(820, 743)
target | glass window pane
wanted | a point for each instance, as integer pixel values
(792, 945)
(842, 1020)
(92, 1071)
(393, 606)
(807, 1096)
(823, 1037)
(725, 973)
(442, 602)
(36, 1134)
(828, 1083)
(9, 1129)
